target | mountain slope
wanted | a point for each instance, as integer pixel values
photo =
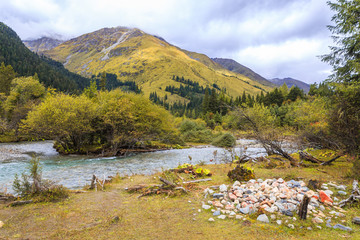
(291, 82)
(234, 66)
(42, 44)
(26, 63)
(150, 61)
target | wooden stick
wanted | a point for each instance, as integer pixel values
(330, 161)
(303, 207)
(199, 180)
(167, 182)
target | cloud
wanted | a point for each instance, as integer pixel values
(274, 37)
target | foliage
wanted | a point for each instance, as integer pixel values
(195, 131)
(109, 121)
(32, 186)
(7, 74)
(224, 140)
(241, 173)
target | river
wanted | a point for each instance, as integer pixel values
(74, 171)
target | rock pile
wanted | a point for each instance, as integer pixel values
(274, 196)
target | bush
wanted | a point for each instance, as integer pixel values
(240, 173)
(195, 131)
(32, 186)
(224, 140)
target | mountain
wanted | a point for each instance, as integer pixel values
(42, 44)
(234, 66)
(148, 60)
(26, 63)
(291, 82)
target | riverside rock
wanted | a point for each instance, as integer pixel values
(342, 227)
(356, 220)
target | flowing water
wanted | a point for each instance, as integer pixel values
(75, 171)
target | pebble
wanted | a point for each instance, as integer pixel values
(273, 217)
(291, 226)
(355, 220)
(279, 222)
(263, 218)
(309, 228)
(222, 216)
(216, 213)
(317, 220)
(342, 193)
(341, 187)
(319, 227)
(239, 217)
(206, 207)
(211, 220)
(1, 224)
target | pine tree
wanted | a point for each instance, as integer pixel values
(103, 81)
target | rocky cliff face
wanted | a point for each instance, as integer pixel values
(42, 44)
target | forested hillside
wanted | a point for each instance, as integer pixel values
(26, 63)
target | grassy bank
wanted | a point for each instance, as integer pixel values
(116, 214)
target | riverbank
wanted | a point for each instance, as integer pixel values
(117, 214)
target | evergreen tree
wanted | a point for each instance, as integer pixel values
(103, 81)
(7, 74)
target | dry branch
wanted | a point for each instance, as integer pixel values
(330, 161)
(19, 203)
(354, 197)
(199, 180)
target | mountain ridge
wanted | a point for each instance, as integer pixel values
(291, 82)
(149, 60)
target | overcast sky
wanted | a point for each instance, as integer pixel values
(275, 38)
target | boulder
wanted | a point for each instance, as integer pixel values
(263, 218)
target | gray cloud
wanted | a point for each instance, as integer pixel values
(276, 38)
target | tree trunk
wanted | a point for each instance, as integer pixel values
(303, 207)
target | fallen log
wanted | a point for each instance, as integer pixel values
(19, 203)
(354, 197)
(308, 157)
(330, 161)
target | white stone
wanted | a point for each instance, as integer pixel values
(322, 208)
(236, 183)
(263, 218)
(222, 217)
(211, 220)
(1, 224)
(329, 192)
(341, 187)
(273, 216)
(291, 226)
(223, 188)
(279, 222)
(319, 227)
(206, 207)
(317, 220)
(239, 217)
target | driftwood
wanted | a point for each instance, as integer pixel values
(303, 207)
(167, 182)
(354, 197)
(95, 182)
(19, 203)
(199, 180)
(271, 147)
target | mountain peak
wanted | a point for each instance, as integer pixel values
(291, 82)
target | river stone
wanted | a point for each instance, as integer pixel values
(222, 217)
(288, 213)
(223, 188)
(209, 191)
(329, 192)
(236, 183)
(206, 207)
(279, 222)
(317, 220)
(218, 195)
(342, 227)
(263, 218)
(291, 226)
(211, 220)
(1, 224)
(342, 193)
(245, 210)
(217, 213)
(341, 187)
(356, 220)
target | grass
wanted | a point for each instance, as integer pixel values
(116, 214)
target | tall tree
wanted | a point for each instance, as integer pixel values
(7, 74)
(345, 56)
(103, 81)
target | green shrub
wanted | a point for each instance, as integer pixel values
(224, 140)
(240, 173)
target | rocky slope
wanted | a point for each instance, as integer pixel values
(42, 44)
